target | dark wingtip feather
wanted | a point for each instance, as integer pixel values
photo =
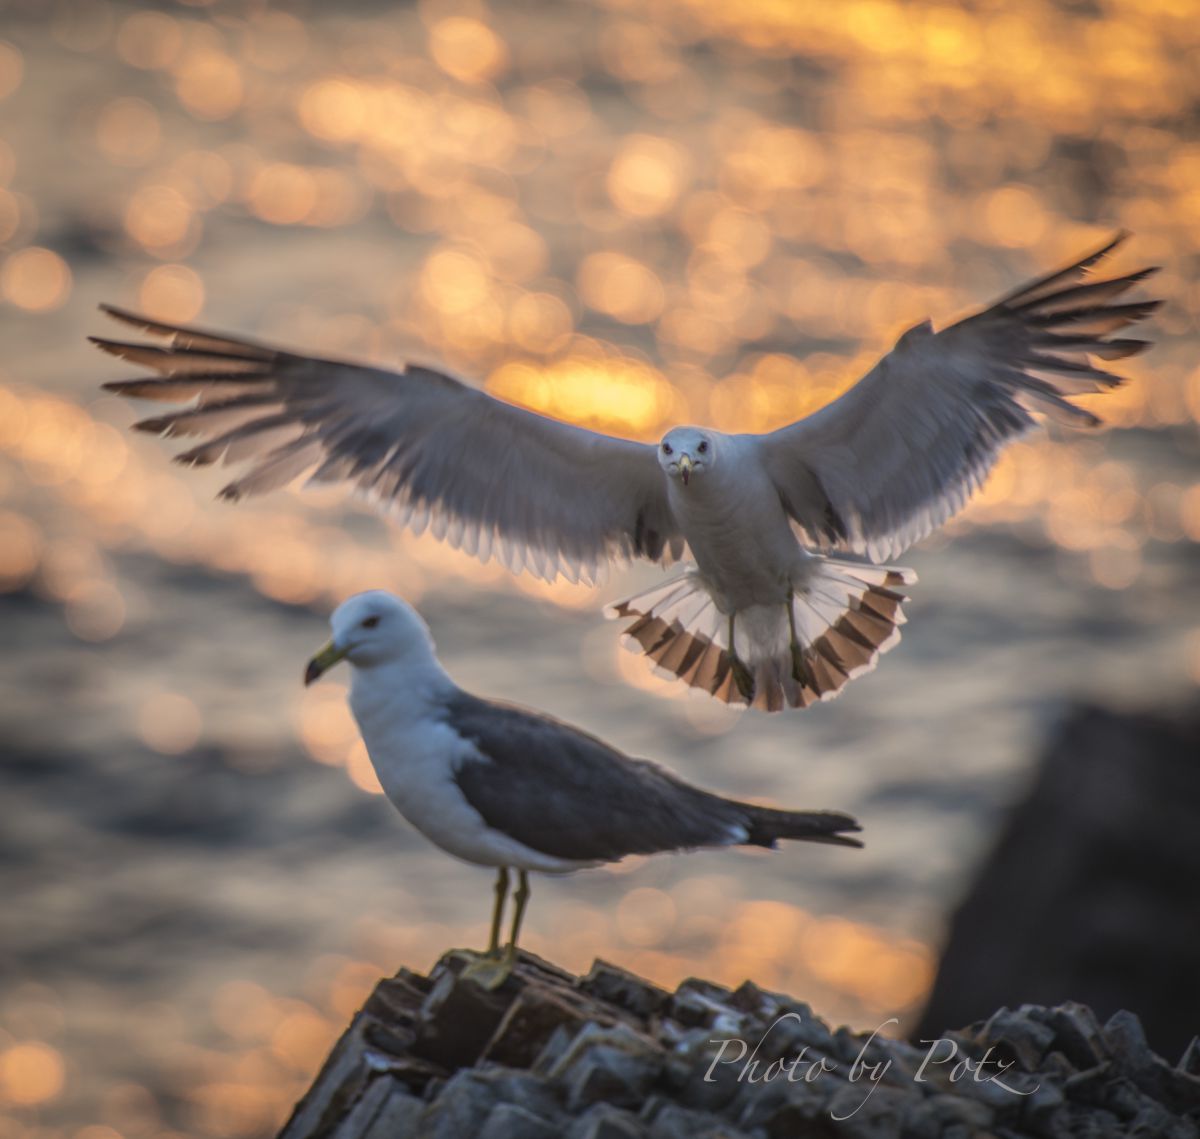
(159, 425)
(140, 322)
(1088, 262)
(194, 458)
(1041, 285)
(1119, 349)
(1118, 238)
(188, 337)
(126, 316)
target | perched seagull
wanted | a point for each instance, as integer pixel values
(500, 786)
(767, 616)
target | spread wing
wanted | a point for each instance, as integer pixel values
(901, 452)
(484, 475)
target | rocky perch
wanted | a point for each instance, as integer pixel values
(611, 1056)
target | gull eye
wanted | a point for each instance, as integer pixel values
(370, 622)
(703, 448)
(667, 449)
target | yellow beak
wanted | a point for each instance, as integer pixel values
(685, 467)
(322, 662)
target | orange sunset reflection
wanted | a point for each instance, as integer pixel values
(621, 216)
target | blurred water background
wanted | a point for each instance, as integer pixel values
(627, 215)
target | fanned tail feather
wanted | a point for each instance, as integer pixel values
(846, 614)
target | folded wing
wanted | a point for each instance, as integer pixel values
(902, 451)
(565, 793)
(483, 475)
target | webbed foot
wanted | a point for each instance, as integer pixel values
(801, 673)
(743, 678)
(489, 971)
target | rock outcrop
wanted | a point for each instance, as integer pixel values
(610, 1056)
(1091, 892)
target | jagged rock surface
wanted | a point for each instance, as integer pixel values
(611, 1056)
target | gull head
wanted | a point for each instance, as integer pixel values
(686, 453)
(370, 629)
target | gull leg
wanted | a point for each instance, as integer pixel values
(742, 676)
(520, 900)
(491, 968)
(493, 949)
(800, 673)
(491, 972)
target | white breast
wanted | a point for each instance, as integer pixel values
(737, 529)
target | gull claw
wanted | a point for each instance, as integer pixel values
(800, 671)
(489, 971)
(743, 678)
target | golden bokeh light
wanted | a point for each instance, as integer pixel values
(149, 40)
(67, 563)
(515, 252)
(12, 68)
(557, 107)
(31, 1073)
(172, 292)
(762, 162)
(326, 727)
(20, 550)
(35, 279)
(207, 175)
(739, 238)
(621, 287)
(540, 323)
(333, 110)
(94, 610)
(455, 281)
(128, 131)
(467, 49)
(1014, 217)
(621, 395)
(283, 194)
(209, 84)
(303, 1037)
(169, 723)
(639, 52)
(647, 176)
(161, 219)
(358, 767)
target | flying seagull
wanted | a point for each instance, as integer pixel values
(501, 786)
(786, 601)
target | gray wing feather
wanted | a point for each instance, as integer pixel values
(902, 451)
(565, 793)
(486, 476)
